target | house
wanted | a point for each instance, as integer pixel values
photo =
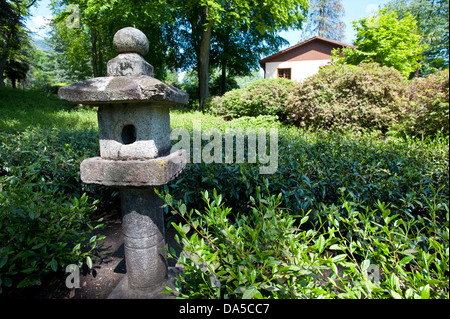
(301, 60)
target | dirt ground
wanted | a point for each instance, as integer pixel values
(96, 283)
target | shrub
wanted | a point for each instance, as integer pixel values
(342, 96)
(44, 209)
(268, 253)
(428, 111)
(261, 255)
(313, 168)
(263, 97)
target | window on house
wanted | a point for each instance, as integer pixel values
(284, 73)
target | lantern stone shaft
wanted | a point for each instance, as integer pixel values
(134, 133)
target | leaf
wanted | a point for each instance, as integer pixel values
(249, 293)
(7, 282)
(93, 238)
(76, 248)
(89, 262)
(269, 288)
(395, 295)
(321, 243)
(3, 261)
(29, 270)
(406, 260)
(182, 209)
(335, 247)
(54, 265)
(304, 220)
(37, 246)
(425, 293)
(365, 264)
(339, 258)
(394, 281)
(186, 228)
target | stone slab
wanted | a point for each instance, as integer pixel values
(116, 89)
(134, 173)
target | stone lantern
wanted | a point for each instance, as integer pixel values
(134, 131)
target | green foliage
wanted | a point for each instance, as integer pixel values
(342, 96)
(44, 213)
(386, 40)
(409, 256)
(261, 255)
(314, 165)
(433, 22)
(268, 253)
(14, 36)
(350, 203)
(349, 200)
(263, 97)
(428, 110)
(44, 210)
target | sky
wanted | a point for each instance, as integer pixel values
(354, 10)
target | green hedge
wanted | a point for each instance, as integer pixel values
(342, 96)
(428, 106)
(262, 97)
(338, 97)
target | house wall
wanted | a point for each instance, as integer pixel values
(299, 69)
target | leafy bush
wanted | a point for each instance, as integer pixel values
(341, 96)
(313, 168)
(261, 255)
(268, 253)
(428, 111)
(44, 209)
(263, 97)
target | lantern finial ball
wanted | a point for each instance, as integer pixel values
(130, 40)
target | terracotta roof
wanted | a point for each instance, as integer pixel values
(261, 62)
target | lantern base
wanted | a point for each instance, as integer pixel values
(133, 173)
(124, 291)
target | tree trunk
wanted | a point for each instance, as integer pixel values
(3, 59)
(203, 60)
(2, 69)
(94, 53)
(223, 82)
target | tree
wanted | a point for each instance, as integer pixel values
(386, 40)
(236, 52)
(180, 32)
(14, 37)
(432, 18)
(325, 20)
(204, 18)
(86, 47)
(16, 71)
